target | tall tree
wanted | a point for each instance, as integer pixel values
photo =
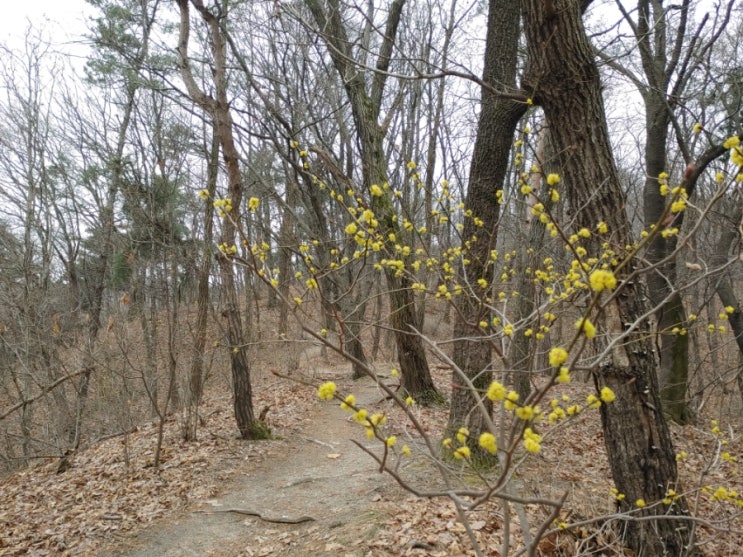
(366, 106)
(564, 78)
(499, 115)
(123, 40)
(670, 53)
(218, 109)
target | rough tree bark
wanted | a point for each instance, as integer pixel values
(565, 81)
(497, 124)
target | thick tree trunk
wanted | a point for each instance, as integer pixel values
(498, 118)
(566, 82)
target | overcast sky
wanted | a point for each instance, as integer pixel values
(62, 20)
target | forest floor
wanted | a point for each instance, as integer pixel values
(312, 491)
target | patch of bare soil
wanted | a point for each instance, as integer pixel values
(313, 493)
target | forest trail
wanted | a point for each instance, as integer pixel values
(317, 473)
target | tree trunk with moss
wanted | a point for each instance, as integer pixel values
(565, 81)
(670, 313)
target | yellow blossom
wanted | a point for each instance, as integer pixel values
(378, 419)
(525, 413)
(592, 401)
(607, 395)
(532, 441)
(601, 279)
(253, 204)
(349, 401)
(510, 402)
(731, 142)
(553, 179)
(586, 326)
(463, 434)
(326, 390)
(558, 356)
(487, 442)
(496, 391)
(462, 453)
(406, 450)
(678, 206)
(375, 190)
(360, 416)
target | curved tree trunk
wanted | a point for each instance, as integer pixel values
(566, 82)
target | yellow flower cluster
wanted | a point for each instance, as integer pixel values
(601, 279)
(586, 327)
(487, 442)
(223, 206)
(326, 391)
(227, 249)
(532, 441)
(558, 356)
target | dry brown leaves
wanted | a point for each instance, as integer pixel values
(112, 488)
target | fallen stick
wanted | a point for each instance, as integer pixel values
(277, 520)
(322, 443)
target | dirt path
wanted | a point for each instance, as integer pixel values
(317, 473)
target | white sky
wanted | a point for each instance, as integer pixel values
(63, 21)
